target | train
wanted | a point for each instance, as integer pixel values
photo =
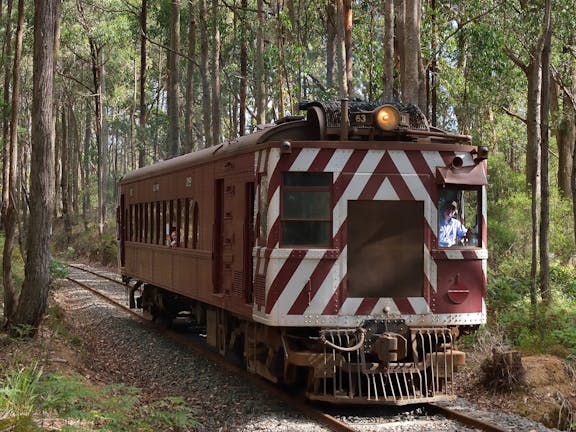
(310, 250)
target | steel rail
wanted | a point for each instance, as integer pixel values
(298, 404)
(465, 419)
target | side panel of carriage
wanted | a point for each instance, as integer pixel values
(381, 260)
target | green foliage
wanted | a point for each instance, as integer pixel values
(19, 391)
(546, 329)
(86, 244)
(58, 269)
(27, 393)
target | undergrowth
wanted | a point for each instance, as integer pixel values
(31, 399)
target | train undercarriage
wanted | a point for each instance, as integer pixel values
(379, 362)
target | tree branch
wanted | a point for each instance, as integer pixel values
(565, 89)
(511, 114)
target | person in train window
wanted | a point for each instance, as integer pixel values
(451, 229)
(173, 240)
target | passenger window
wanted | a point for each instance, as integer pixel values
(459, 217)
(191, 224)
(306, 209)
(263, 207)
(152, 222)
(158, 227)
(132, 224)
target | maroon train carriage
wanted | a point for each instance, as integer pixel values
(311, 249)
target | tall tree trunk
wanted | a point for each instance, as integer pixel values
(401, 44)
(216, 121)
(341, 51)
(347, 11)
(34, 295)
(57, 167)
(411, 79)
(64, 179)
(533, 158)
(281, 58)
(331, 34)
(6, 53)
(74, 164)
(205, 73)
(259, 68)
(189, 107)
(96, 58)
(11, 212)
(566, 137)
(388, 90)
(432, 85)
(142, 110)
(173, 80)
(85, 173)
(243, 69)
(545, 109)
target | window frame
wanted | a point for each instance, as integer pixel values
(325, 188)
(461, 193)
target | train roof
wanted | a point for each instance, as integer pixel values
(322, 122)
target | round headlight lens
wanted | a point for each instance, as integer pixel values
(387, 117)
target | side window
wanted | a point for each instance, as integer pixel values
(306, 209)
(263, 207)
(158, 223)
(191, 224)
(459, 217)
(131, 224)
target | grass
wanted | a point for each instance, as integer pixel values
(31, 399)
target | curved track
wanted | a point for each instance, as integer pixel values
(430, 417)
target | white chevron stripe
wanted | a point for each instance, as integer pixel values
(419, 305)
(304, 159)
(430, 269)
(386, 192)
(434, 160)
(273, 212)
(388, 305)
(350, 306)
(297, 282)
(330, 284)
(337, 161)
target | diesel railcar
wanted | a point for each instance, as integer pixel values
(310, 248)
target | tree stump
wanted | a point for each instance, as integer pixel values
(503, 372)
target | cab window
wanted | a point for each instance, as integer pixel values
(459, 217)
(306, 209)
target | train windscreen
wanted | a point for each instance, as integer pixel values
(385, 249)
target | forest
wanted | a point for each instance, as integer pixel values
(96, 88)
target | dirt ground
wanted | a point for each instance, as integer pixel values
(547, 396)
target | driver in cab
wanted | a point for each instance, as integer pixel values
(452, 231)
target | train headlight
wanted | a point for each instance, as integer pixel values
(387, 117)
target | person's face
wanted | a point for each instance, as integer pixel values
(450, 212)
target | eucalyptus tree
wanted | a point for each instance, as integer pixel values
(94, 38)
(142, 109)
(188, 144)
(10, 215)
(173, 80)
(204, 72)
(34, 295)
(215, 73)
(6, 54)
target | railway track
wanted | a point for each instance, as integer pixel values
(428, 417)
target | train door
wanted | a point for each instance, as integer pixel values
(385, 249)
(218, 247)
(122, 220)
(249, 239)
